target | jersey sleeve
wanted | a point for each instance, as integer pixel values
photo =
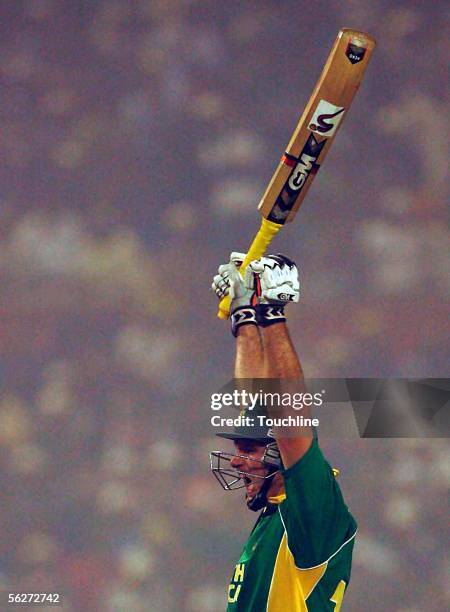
(314, 514)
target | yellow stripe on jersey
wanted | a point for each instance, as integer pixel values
(277, 499)
(291, 586)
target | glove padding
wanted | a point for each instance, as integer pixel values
(229, 281)
(278, 279)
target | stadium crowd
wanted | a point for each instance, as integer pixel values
(136, 140)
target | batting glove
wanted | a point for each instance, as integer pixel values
(240, 289)
(277, 277)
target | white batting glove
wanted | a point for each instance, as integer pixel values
(278, 277)
(228, 281)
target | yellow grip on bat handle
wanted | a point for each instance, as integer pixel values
(257, 249)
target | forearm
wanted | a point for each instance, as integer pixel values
(249, 353)
(281, 362)
(280, 357)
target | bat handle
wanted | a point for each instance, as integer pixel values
(257, 249)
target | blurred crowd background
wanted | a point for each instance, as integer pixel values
(136, 139)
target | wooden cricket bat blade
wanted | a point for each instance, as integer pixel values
(311, 140)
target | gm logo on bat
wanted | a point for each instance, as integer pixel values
(305, 165)
(326, 118)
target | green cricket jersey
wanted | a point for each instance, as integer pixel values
(298, 556)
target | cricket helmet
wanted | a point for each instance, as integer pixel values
(231, 478)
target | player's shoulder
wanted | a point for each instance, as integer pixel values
(313, 494)
(312, 464)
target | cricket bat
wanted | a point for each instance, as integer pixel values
(311, 140)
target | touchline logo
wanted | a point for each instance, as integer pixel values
(326, 118)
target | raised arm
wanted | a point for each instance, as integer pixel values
(281, 362)
(263, 346)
